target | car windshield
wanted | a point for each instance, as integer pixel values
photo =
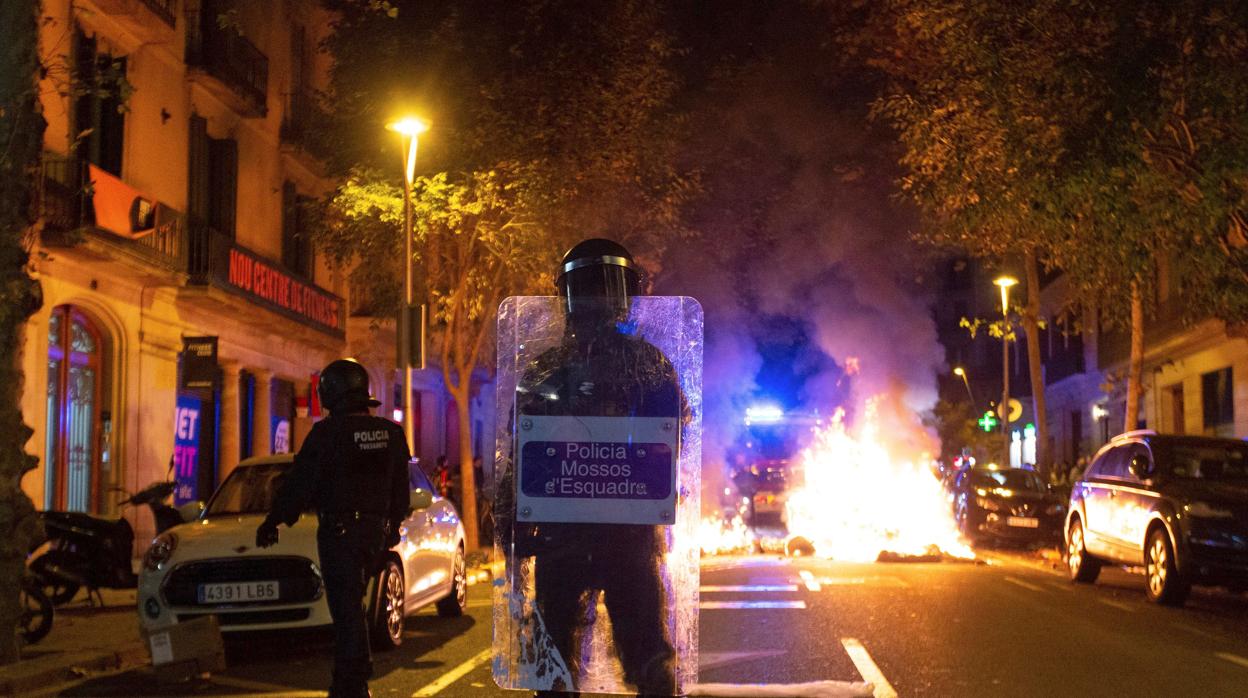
(1009, 479)
(248, 490)
(1208, 462)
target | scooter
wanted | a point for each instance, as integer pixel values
(95, 552)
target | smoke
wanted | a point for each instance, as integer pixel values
(800, 221)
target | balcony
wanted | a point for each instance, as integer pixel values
(69, 221)
(301, 121)
(150, 20)
(227, 65)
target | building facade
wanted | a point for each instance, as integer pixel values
(186, 312)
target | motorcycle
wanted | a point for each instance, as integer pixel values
(95, 552)
(37, 611)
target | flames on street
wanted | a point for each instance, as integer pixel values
(861, 494)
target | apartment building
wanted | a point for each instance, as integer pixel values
(186, 312)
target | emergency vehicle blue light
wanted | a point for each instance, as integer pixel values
(763, 414)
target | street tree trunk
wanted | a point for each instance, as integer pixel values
(1031, 325)
(462, 394)
(21, 141)
(1135, 368)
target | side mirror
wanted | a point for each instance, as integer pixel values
(420, 499)
(190, 511)
(1139, 467)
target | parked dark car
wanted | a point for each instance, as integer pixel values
(1176, 505)
(1002, 504)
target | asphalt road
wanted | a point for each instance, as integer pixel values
(927, 629)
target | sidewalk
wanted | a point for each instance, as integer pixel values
(83, 639)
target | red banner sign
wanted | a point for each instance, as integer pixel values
(260, 279)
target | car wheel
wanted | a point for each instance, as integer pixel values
(1163, 582)
(1082, 567)
(453, 605)
(388, 607)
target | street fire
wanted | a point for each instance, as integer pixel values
(860, 498)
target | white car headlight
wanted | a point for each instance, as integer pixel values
(1204, 510)
(161, 550)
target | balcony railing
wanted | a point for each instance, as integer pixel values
(301, 120)
(166, 10)
(65, 209)
(229, 57)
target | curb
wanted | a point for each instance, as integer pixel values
(28, 676)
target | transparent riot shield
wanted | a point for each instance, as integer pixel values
(597, 504)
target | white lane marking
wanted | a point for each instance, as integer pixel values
(1232, 658)
(809, 579)
(1197, 631)
(1116, 604)
(717, 605)
(708, 660)
(748, 587)
(867, 668)
(1025, 585)
(859, 581)
(453, 675)
(1059, 587)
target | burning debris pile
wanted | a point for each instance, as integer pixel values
(859, 499)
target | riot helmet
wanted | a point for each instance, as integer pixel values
(344, 386)
(596, 278)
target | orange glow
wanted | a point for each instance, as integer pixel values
(859, 500)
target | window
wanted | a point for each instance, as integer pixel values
(297, 253)
(1178, 417)
(75, 423)
(99, 112)
(213, 182)
(1217, 396)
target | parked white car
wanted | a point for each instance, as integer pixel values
(211, 565)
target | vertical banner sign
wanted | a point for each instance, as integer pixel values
(199, 362)
(186, 449)
(281, 434)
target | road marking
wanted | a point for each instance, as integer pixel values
(1197, 631)
(270, 690)
(1232, 658)
(809, 579)
(1116, 604)
(748, 587)
(867, 668)
(1025, 585)
(718, 605)
(1059, 587)
(708, 660)
(453, 675)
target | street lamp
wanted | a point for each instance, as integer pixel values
(1005, 282)
(409, 128)
(961, 373)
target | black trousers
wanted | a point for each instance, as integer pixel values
(621, 562)
(349, 552)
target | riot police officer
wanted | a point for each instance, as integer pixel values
(353, 469)
(600, 368)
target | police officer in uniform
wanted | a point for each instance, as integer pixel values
(352, 469)
(600, 368)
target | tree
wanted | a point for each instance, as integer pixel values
(551, 123)
(21, 141)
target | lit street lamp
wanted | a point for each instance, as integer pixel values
(410, 129)
(961, 372)
(1005, 282)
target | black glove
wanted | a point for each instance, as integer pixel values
(266, 534)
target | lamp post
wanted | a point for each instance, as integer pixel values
(409, 128)
(961, 372)
(1005, 282)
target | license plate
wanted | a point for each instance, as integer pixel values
(238, 592)
(1023, 521)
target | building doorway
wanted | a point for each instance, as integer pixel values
(75, 454)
